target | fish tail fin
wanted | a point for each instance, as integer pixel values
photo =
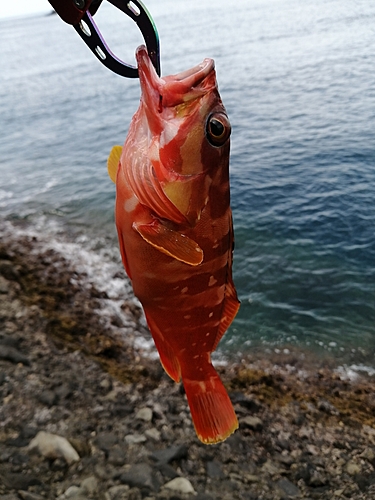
(211, 409)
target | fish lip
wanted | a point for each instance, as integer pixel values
(177, 88)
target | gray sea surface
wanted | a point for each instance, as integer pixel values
(297, 79)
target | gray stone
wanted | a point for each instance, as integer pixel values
(26, 495)
(153, 434)
(48, 398)
(270, 468)
(90, 485)
(140, 476)
(214, 470)
(4, 285)
(180, 484)
(253, 423)
(18, 481)
(11, 354)
(144, 414)
(8, 270)
(287, 487)
(73, 492)
(119, 492)
(353, 468)
(135, 438)
(117, 456)
(53, 446)
(106, 440)
(169, 454)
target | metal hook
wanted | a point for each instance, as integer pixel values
(79, 13)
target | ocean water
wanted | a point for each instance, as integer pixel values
(297, 80)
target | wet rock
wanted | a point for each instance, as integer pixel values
(250, 403)
(11, 354)
(169, 454)
(214, 470)
(53, 446)
(19, 481)
(167, 471)
(180, 485)
(9, 340)
(8, 270)
(139, 476)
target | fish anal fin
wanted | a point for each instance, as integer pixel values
(211, 410)
(170, 242)
(230, 309)
(168, 358)
(113, 162)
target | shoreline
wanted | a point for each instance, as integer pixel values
(306, 431)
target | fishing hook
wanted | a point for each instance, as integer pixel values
(79, 13)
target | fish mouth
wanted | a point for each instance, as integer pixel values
(174, 89)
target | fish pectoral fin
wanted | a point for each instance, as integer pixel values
(113, 162)
(230, 309)
(170, 242)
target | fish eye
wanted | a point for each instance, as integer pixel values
(217, 129)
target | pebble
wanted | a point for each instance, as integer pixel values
(135, 438)
(153, 434)
(168, 454)
(90, 485)
(254, 423)
(26, 495)
(72, 492)
(288, 487)
(353, 468)
(180, 484)
(119, 492)
(11, 354)
(144, 414)
(53, 446)
(140, 476)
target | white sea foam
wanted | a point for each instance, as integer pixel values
(353, 371)
(94, 268)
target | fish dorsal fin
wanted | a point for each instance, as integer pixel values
(230, 309)
(113, 162)
(170, 242)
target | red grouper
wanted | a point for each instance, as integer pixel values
(175, 230)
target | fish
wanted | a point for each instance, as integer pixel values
(175, 230)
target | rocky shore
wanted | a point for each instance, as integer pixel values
(85, 414)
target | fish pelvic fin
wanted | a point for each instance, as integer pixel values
(170, 242)
(113, 162)
(212, 412)
(168, 358)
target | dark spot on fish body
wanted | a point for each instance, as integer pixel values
(160, 106)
